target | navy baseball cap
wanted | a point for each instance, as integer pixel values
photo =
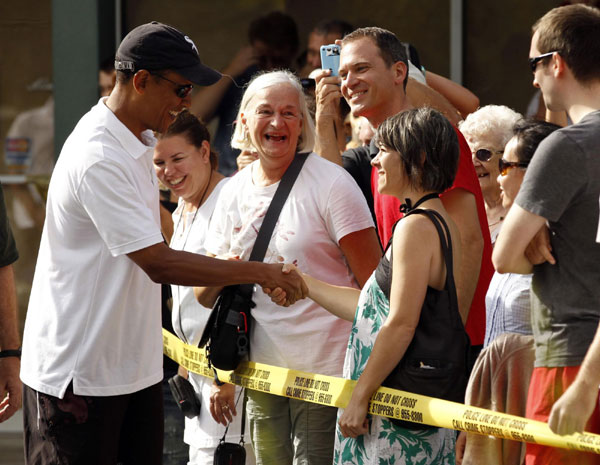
(156, 46)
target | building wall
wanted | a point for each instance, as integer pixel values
(496, 34)
(25, 57)
(497, 39)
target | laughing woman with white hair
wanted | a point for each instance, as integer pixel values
(325, 228)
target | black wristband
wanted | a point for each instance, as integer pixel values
(10, 353)
(218, 382)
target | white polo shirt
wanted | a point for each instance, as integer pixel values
(94, 315)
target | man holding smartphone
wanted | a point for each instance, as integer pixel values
(373, 79)
(92, 347)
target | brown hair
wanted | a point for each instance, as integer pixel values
(390, 48)
(194, 131)
(574, 32)
(427, 145)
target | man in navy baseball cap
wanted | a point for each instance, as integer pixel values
(156, 46)
(92, 348)
(157, 67)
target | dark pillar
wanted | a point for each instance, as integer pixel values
(83, 33)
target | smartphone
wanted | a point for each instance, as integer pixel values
(330, 58)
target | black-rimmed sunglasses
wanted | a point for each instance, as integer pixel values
(535, 60)
(486, 154)
(182, 90)
(504, 166)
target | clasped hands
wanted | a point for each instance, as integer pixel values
(278, 295)
(282, 282)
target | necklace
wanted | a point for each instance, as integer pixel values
(187, 236)
(195, 213)
(407, 206)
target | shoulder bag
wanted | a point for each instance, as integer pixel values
(435, 362)
(227, 331)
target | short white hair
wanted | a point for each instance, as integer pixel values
(491, 121)
(241, 139)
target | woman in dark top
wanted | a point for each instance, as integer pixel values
(417, 160)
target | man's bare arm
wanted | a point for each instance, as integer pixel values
(572, 410)
(518, 230)
(421, 95)
(462, 207)
(165, 265)
(539, 249)
(460, 97)
(10, 384)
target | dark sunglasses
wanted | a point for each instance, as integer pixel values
(182, 90)
(504, 166)
(535, 60)
(486, 154)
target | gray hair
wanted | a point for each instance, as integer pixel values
(492, 121)
(241, 139)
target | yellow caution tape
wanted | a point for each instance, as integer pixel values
(387, 402)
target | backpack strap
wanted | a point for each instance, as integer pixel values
(446, 243)
(272, 215)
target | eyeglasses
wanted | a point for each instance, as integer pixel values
(504, 166)
(486, 154)
(535, 60)
(182, 90)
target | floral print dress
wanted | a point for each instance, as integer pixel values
(386, 443)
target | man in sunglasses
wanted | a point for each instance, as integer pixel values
(561, 190)
(92, 348)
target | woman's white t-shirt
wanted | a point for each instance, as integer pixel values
(324, 205)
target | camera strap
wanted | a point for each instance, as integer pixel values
(243, 427)
(272, 215)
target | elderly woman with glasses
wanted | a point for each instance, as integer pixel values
(500, 377)
(324, 227)
(487, 131)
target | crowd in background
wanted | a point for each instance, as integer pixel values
(410, 194)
